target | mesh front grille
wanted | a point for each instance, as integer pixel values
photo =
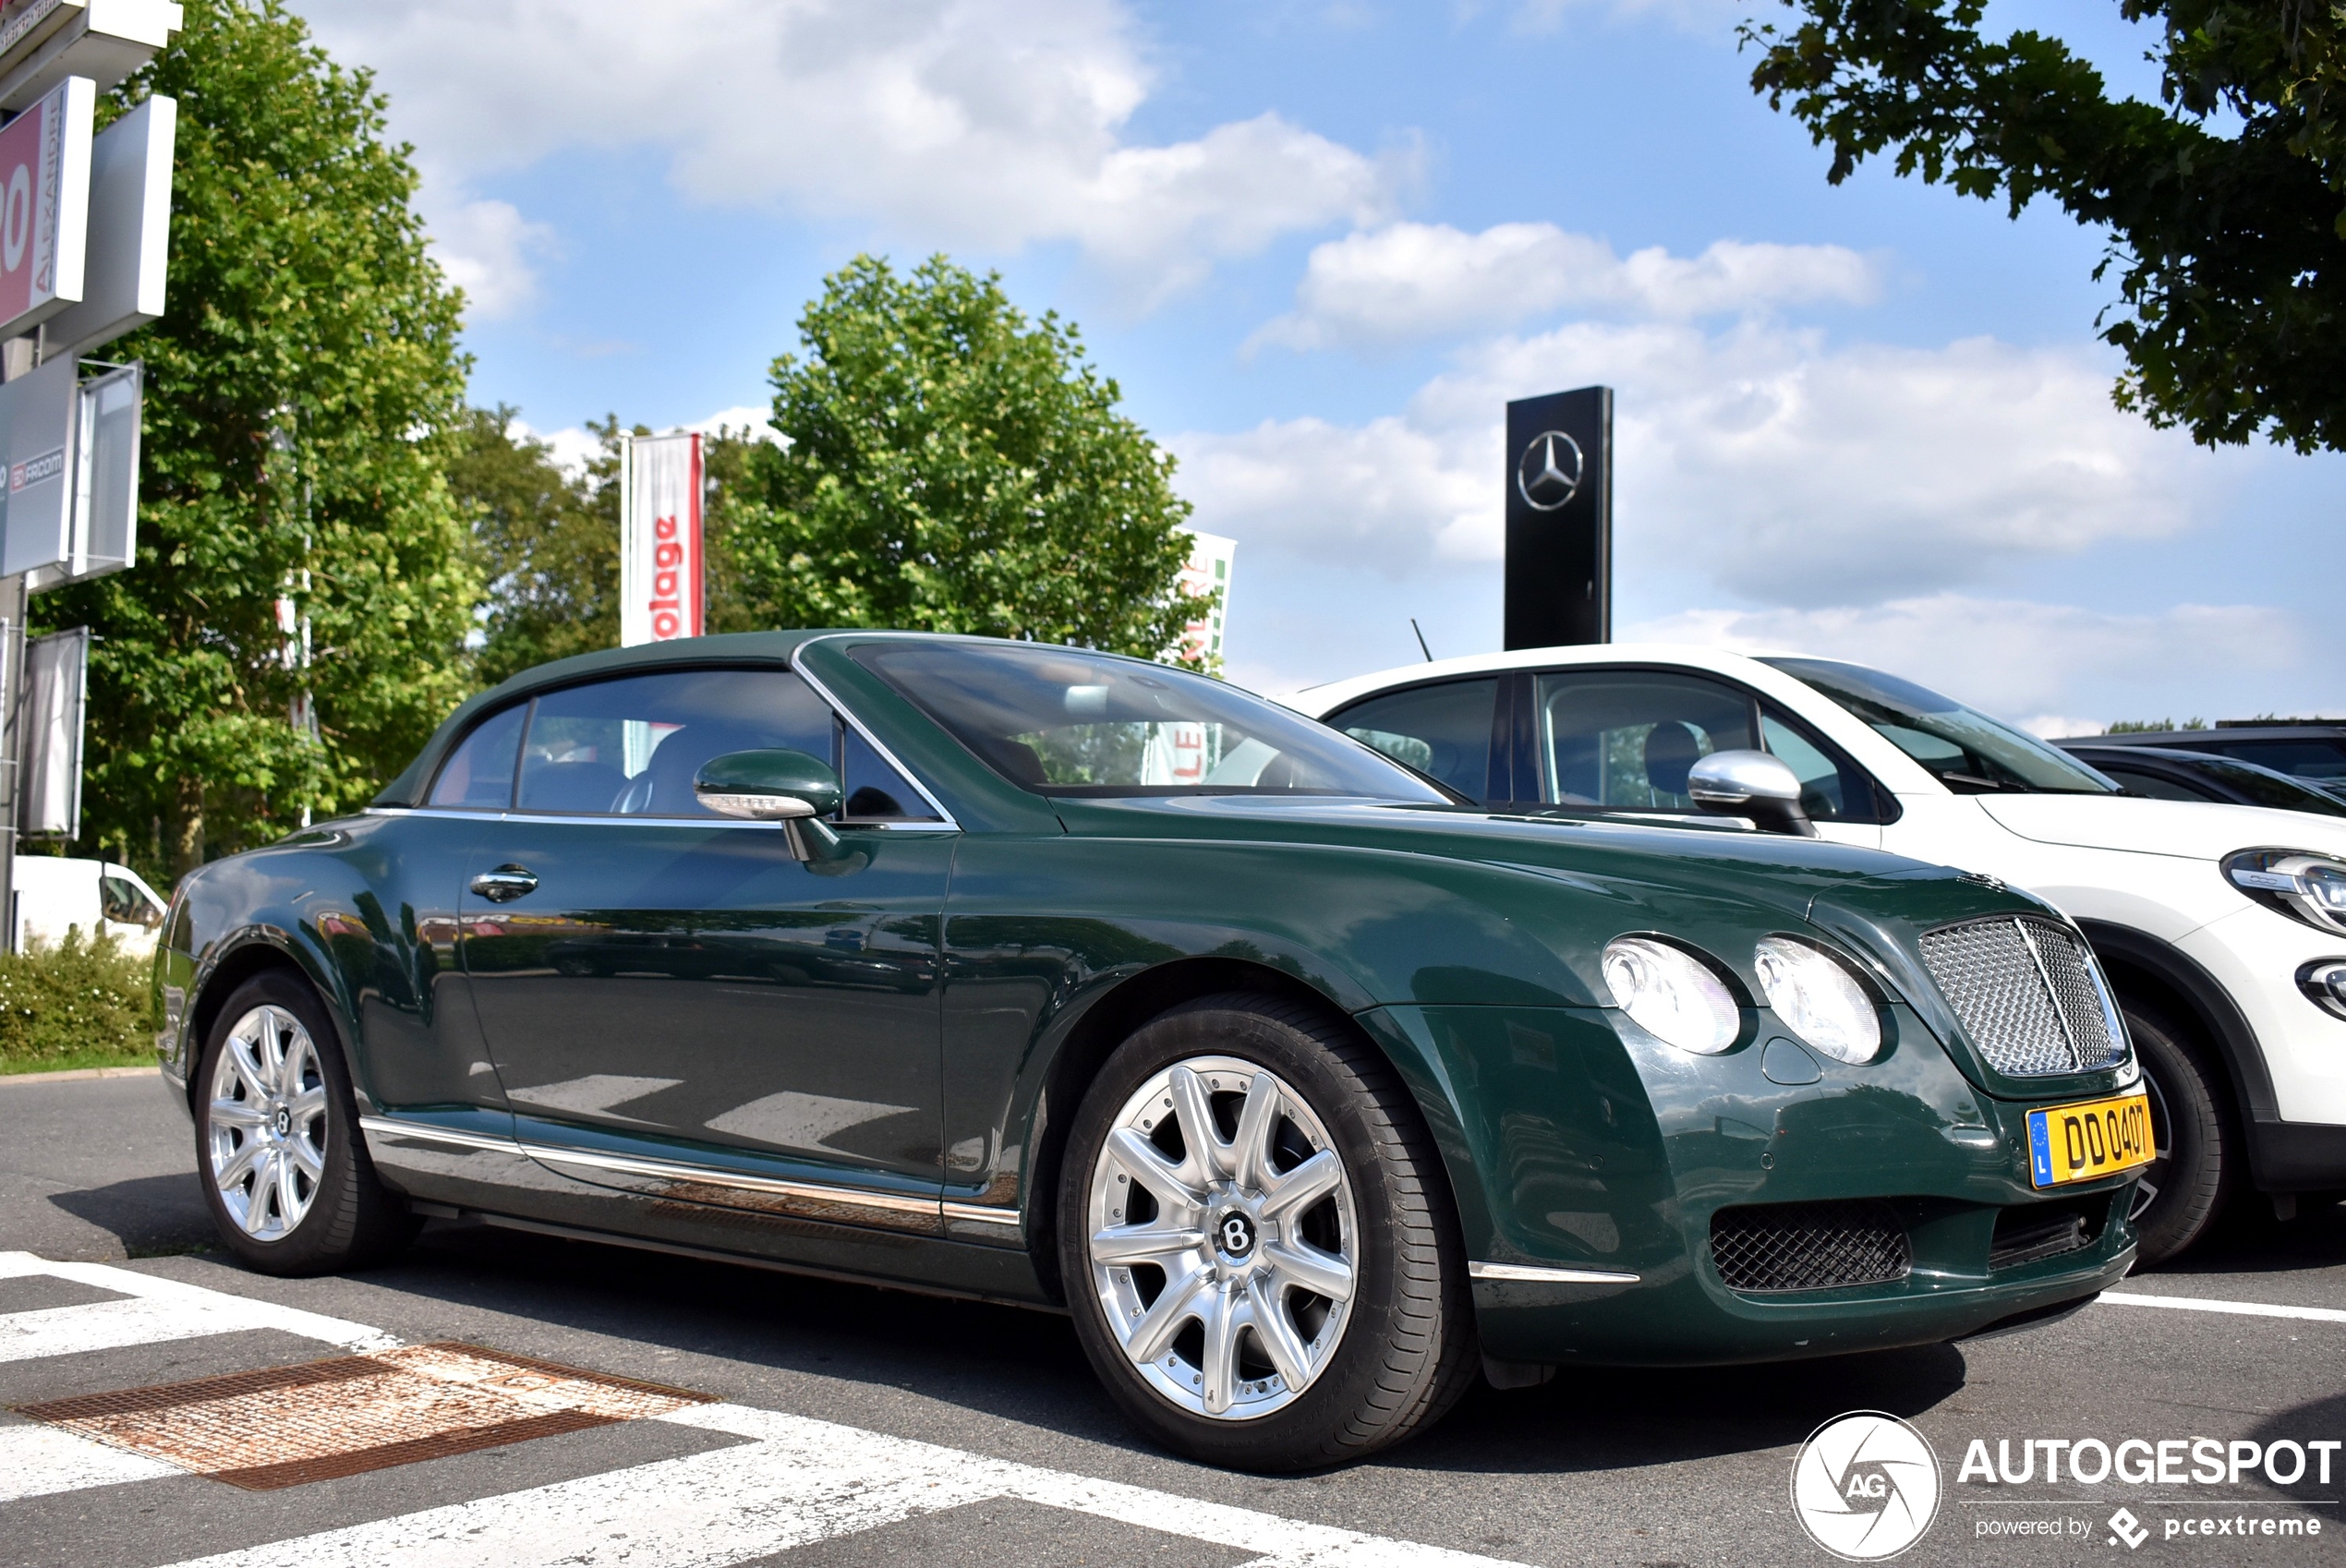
(1809, 1245)
(1995, 972)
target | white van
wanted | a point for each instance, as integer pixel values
(54, 893)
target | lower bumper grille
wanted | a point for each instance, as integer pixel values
(1809, 1245)
(2030, 1231)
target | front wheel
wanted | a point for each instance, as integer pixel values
(1257, 1243)
(2194, 1169)
(285, 1172)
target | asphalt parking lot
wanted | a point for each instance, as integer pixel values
(822, 1423)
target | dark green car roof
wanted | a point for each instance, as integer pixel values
(733, 647)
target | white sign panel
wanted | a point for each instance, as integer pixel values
(45, 205)
(129, 229)
(659, 539)
(56, 692)
(36, 441)
(44, 42)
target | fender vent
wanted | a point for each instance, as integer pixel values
(1809, 1245)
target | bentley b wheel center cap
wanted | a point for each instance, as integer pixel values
(1234, 1236)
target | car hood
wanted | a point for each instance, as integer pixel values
(2191, 829)
(1787, 876)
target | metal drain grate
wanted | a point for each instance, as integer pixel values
(1809, 1245)
(286, 1425)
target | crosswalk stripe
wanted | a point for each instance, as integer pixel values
(796, 1480)
(35, 1461)
(159, 1311)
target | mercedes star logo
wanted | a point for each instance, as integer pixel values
(1548, 474)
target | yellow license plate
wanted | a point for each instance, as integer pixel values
(2097, 1137)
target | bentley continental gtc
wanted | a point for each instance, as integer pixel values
(1308, 1088)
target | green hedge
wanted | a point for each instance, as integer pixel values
(77, 1004)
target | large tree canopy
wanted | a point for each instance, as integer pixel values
(299, 390)
(2225, 203)
(949, 465)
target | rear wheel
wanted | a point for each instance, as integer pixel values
(285, 1172)
(2184, 1188)
(1257, 1245)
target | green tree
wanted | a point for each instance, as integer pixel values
(2225, 202)
(300, 389)
(547, 541)
(949, 465)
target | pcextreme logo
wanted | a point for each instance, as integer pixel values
(1864, 1486)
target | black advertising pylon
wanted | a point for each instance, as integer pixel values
(1560, 519)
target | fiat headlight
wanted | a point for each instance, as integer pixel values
(1671, 994)
(2304, 885)
(1818, 999)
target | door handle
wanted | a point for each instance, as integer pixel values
(505, 884)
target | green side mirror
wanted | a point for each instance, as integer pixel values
(778, 786)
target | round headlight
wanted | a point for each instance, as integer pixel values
(1818, 999)
(2309, 886)
(1671, 994)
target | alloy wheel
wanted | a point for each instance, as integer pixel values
(1223, 1237)
(267, 1121)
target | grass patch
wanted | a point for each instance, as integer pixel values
(75, 1004)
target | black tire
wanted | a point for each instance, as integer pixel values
(2197, 1171)
(1409, 1348)
(350, 1219)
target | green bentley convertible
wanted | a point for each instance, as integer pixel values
(1020, 973)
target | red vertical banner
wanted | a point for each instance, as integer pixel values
(663, 584)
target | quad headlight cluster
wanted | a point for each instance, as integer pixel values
(2304, 885)
(1682, 1000)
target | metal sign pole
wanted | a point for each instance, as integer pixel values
(12, 609)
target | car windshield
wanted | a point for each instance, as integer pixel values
(1966, 750)
(1063, 722)
(2263, 785)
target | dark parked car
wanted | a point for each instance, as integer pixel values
(1038, 975)
(2166, 773)
(2315, 753)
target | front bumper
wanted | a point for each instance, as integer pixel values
(1580, 1145)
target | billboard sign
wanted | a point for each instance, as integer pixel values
(44, 42)
(36, 443)
(129, 229)
(660, 595)
(45, 205)
(55, 701)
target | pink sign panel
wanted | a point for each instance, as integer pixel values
(44, 206)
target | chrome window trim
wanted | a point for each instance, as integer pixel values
(864, 730)
(1526, 1273)
(610, 819)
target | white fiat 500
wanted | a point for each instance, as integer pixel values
(2221, 928)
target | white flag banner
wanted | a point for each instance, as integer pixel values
(56, 695)
(659, 539)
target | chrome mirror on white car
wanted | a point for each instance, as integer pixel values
(1750, 784)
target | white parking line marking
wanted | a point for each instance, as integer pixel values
(797, 1481)
(159, 1311)
(2244, 1308)
(35, 1461)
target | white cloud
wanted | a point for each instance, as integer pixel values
(574, 445)
(484, 247)
(1781, 469)
(987, 122)
(1411, 280)
(2012, 658)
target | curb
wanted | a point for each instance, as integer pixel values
(71, 1074)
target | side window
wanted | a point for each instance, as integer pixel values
(119, 899)
(2157, 788)
(479, 774)
(1833, 789)
(1626, 738)
(1444, 730)
(875, 792)
(631, 746)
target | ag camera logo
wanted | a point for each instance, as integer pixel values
(1864, 1486)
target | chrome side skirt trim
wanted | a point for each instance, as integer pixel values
(1526, 1275)
(814, 1194)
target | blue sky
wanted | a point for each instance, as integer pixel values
(1319, 244)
